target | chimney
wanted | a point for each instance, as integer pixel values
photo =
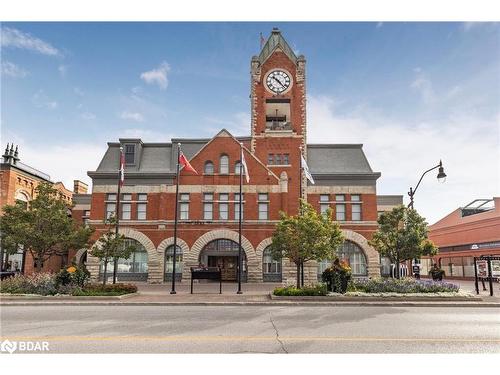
(80, 187)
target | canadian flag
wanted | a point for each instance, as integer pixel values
(185, 163)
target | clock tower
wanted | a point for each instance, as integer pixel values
(278, 112)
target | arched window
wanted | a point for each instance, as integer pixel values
(353, 254)
(356, 257)
(22, 198)
(133, 268)
(209, 167)
(169, 262)
(271, 267)
(237, 167)
(224, 164)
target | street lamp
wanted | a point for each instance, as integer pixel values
(441, 178)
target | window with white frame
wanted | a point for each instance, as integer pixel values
(110, 205)
(356, 212)
(184, 206)
(224, 164)
(141, 211)
(324, 203)
(263, 206)
(237, 206)
(209, 167)
(126, 211)
(340, 212)
(223, 206)
(208, 206)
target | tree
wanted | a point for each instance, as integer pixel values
(305, 237)
(44, 229)
(402, 235)
(111, 247)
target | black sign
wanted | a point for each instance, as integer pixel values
(208, 273)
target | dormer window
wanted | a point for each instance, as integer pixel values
(209, 167)
(129, 154)
(224, 164)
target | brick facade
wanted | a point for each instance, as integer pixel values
(279, 181)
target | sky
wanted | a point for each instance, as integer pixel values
(411, 93)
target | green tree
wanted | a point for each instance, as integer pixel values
(44, 229)
(111, 247)
(402, 235)
(305, 237)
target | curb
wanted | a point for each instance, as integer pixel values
(269, 303)
(62, 298)
(326, 299)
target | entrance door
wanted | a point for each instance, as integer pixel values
(227, 265)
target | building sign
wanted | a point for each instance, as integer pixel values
(495, 268)
(486, 245)
(482, 268)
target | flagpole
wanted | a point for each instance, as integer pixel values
(175, 220)
(300, 211)
(117, 226)
(239, 220)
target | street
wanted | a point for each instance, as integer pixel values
(254, 329)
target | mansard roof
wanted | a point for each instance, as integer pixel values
(274, 42)
(324, 160)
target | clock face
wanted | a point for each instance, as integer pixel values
(278, 81)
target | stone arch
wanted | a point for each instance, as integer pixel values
(22, 193)
(170, 242)
(372, 256)
(259, 250)
(154, 260)
(253, 262)
(79, 254)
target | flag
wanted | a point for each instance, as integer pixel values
(185, 163)
(306, 169)
(262, 41)
(122, 167)
(245, 168)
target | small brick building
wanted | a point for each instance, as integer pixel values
(208, 202)
(18, 183)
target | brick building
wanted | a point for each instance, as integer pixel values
(208, 202)
(18, 183)
(467, 232)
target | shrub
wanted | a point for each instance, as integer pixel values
(73, 275)
(405, 285)
(315, 290)
(105, 290)
(42, 283)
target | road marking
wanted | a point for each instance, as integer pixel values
(242, 338)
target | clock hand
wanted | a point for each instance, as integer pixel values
(278, 82)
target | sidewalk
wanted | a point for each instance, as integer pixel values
(207, 293)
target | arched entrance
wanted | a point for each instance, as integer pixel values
(271, 267)
(223, 253)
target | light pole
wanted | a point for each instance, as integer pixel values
(441, 176)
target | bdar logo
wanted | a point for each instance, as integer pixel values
(8, 346)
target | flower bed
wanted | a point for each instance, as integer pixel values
(402, 286)
(70, 281)
(316, 290)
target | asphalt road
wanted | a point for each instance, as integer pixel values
(254, 329)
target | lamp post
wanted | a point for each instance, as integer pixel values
(441, 176)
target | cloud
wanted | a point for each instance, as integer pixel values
(237, 124)
(145, 135)
(15, 38)
(63, 70)
(402, 151)
(41, 100)
(379, 25)
(424, 86)
(157, 76)
(132, 116)
(53, 158)
(88, 116)
(12, 70)
(78, 91)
